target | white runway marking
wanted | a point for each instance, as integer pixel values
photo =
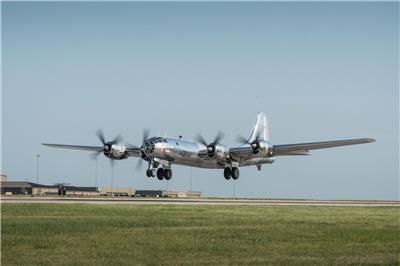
(201, 201)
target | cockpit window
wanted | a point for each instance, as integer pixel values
(149, 145)
(157, 140)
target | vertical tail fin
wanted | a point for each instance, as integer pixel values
(261, 130)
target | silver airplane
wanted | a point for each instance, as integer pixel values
(161, 153)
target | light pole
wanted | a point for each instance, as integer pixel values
(37, 168)
(234, 189)
(112, 179)
(167, 186)
(190, 179)
(95, 174)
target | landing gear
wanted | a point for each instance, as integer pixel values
(168, 174)
(234, 173)
(160, 174)
(227, 173)
(151, 172)
(162, 171)
(164, 174)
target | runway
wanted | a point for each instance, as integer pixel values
(200, 201)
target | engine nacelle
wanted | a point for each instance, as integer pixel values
(216, 150)
(261, 147)
(220, 151)
(255, 146)
(115, 151)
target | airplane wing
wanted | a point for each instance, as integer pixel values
(132, 151)
(304, 148)
(74, 147)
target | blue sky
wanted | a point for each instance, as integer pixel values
(321, 71)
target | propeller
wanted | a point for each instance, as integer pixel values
(106, 145)
(101, 137)
(145, 136)
(210, 146)
(242, 139)
(255, 145)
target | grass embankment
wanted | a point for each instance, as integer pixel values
(64, 234)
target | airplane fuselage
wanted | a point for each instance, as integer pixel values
(181, 152)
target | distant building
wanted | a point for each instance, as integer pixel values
(29, 188)
(77, 191)
(164, 193)
(3, 177)
(107, 191)
(64, 189)
(26, 188)
(150, 193)
(183, 194)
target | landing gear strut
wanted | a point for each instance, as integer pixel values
(231, 172)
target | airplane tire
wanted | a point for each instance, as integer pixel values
(153, 172)
(168, 174)
(160, 174)
(148, 173)
(235, 173)
(227, 173)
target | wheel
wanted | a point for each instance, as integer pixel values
(148, 172)
(160, 174)
(168, 174)
(227, 173)
(153, 172)
(235, 173)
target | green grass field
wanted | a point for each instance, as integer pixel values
(64, 234)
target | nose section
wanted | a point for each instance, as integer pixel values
(153, 146)
(149, 147)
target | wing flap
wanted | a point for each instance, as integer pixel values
(292, 149)
(300, 152)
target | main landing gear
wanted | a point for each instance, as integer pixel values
(231, 172)
(161, 173)
(164, 174)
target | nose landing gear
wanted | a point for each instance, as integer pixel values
(160, 170)
(151, 172)
(161, 173)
